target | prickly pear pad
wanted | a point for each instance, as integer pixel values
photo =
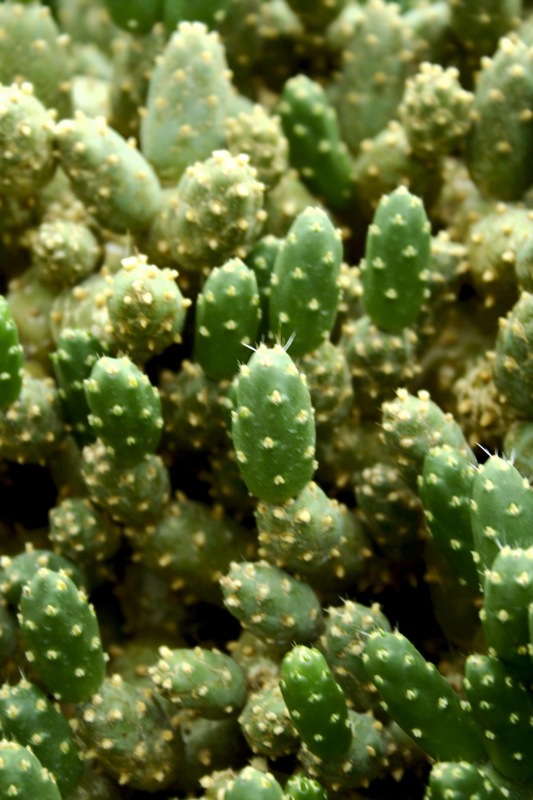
(273, 428)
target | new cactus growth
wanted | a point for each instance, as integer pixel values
(272, 426)
(62, 634)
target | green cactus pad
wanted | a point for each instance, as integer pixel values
(25, 121)
(316, 703)
(502, 706)
(216, 213)
(125, 409)
(498, 143)
(188, 97)
(130, 495)
(305, 288)
(28, 717)
(62, 634)
(20, 569)
(445, 488)
(207, 681)
(227, 319)
(508, 592)
(112, 178)
(22, 774)
(316, 148)
(271, 603)
(397, 258)
(135, 16)
(501, 510)
(130, 735)
(425, 697)
(146, 308)
(272, 428)
(76, 354)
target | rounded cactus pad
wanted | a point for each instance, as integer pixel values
(272, 427)
(397, 258)
(61, 631)
(22, 774)
(316, 703)
(125, 409)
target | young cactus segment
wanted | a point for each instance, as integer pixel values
(259, 136)
(365, 760)
(316, 703)
(130, 495)
(216, 213)
(62, 634)
(76, 354)
(125, 409)
(272, 427)
(397, 259)
(498, 147)
(31, 29)
(302, 533)
(64, 252)
(188, 98)
(251, 782)
(20, 569)
(412, 426)
(457, 780)
(435, 111)
(266, 723)
(343, 642)
(316, 149)
(130, 735)
(508, 592)
(501, 508)
(513, 373)
(82, 533)
(112, 178)
(28, 717)
(32, 428)
(227, 318)
(206, 681)
(503, 709)
(146, 308)
(305, 288)
(271, 603)
(23, 775)
(426, 706)
(11, 357)
(299, 787)
(27, 160)
(445, 488)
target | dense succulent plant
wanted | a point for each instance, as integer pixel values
(266, 284)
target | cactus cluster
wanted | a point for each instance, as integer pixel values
(266, 399)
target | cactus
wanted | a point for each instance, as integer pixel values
(272, 426)
(396, 261)
(107, 173)
(177, 129)
(332, 446)
(227, 319)
(304, 291)
(131, 427)
(62, 634)
(29, 718)
(21, 773)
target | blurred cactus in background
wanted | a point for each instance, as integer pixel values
(266, 399)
